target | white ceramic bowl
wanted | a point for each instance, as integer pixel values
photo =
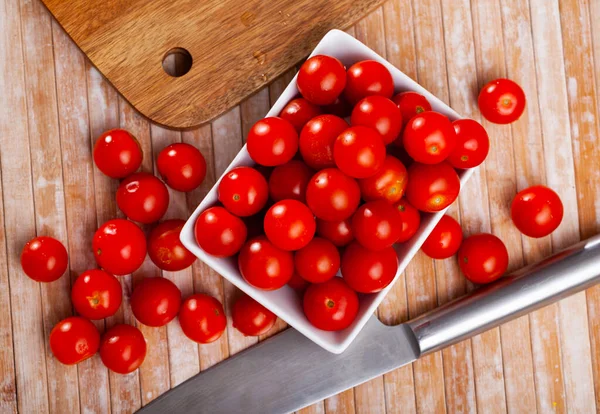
(285, 302)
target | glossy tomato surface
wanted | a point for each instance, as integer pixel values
(483, 258)
(317, 139)
(251, 318)
(368, 271)
(359, 152)
(181, 166)
(366, 78)
(202, 318)
(330, 306)
(388, 183)
(332, 195)
(123, 348)
(338, 232)
(289, 225)
(96, 294)
(298, 112)
(432, 188)
(289, 181)
(429, 137)
(444, 240)
(119, 247)
(501, 101)
(44, 259)
(379, 113)
(155, 301)
(411, 220)
(143, 198)
(321, 79)
(220, 233)
(165, 248)
(537, 211)
(376, 225)
(265, 266)
(73, 340)
(411, 104)
(272, 141)
(243, 191)
(318, 261)
(472, 144)
(117, 153)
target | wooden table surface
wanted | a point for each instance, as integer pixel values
(54, 105)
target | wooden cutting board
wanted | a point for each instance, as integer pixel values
(234, 47)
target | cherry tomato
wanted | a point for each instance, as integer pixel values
(376, 225)
(359, 152)
(318, 261)
(432, 188)
(243, 191)
(123, 348)
(117, 153)
(265, 266)
(368, 271)
(96, 294)
(119, 247)
(429, 137)
(472, 144)
(330, 306)
(143, 198)
(379, 113)
(317, 139)
(387, 184)
(338, 232)
(483, 258)
(411, 220)
(165, 248)
(289, 181)
(537, 211)
(73, 340)
(332, 195)
(367, 78)
(220, 233)
(297, 283)
(340, 107)
(44, 259)
(251, 318)
(272, 141)
(501, 101)
(411, 104)
(321, 79)
(155, 301)
(289, 225)
(444, 240)
(181, 166)
(298, 112)
(202, 318)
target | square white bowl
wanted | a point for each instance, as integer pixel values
(285, 302)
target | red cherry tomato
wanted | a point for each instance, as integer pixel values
(202, 318)
(444, 240)
(298, 112)
(143, 198)
(429, 137)
(411, 220)
(119, 247)
(432, 188)
(359, 152)
(290, 225)
(73, 340)
(537, 211)
(367, 271)
(297, 283)
(472, 144)
(501, 101)
(340, 107)
(379, 113)
(317, 139)
(44, 259)
(243, 191)
(165, 248)
(332, 195)
(117, 153)
(318, 261)
(272, 141)
(181, 166)
(289, 181)
(330, 306)
(220, 233)
(483, 258)
(251, 318)
(387, 184)
(376, 225)
(155, 301)
(367, 78)
(411, 104)
(338, 232)
(123, 348)
(265, 266)
(321, 79)
(96, 294)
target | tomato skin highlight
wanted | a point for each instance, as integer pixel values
(376, 225)
(411, 220)
(44, 259)
(272, 141)
(251, 318)
(483, 258)
(243, 191)
(321, 79)
(332, 195)
(318, 138)
(444, 240)
(202, 318)
(119, 247)
(123, 348)
(289, 181)
(155, 301)
(220, 233)
(165, 248)
(318, 261)
(117, 153)
(289, 225)
(429, 137)
(96, 294)
(298, 112)
(181, 166)
(265, 266)
(387, 184)
(379, 113)
(73, 340)
(330, 306)
(501, 101)
(367, 78)
(472, 144)
(432, 188)
(368, 271)
(143, 198)
(537, 211)
(338, 232)
(359, 152)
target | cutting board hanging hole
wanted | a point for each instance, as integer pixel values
(177, 62)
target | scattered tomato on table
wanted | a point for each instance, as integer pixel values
(181, 166)
(143, 198)
(155, 301)
(444, 240)
(119, 247)
(250, 317)
(502, 101)
(123, 348)
(536, 211)
(202, 318)
(117, 153)
(96, 294)
(165, 248)
(73, 340)
(44, 259)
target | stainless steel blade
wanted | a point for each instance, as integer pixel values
(288, 372)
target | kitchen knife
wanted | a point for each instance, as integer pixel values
(288, 371)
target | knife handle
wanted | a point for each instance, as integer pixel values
(563, 274)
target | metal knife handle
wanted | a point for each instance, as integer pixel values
(530, 288)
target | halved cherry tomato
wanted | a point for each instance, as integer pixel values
(123, 349)
(432, 187)
(359, 152)
(289, 225)
(429, 138)
(330, 306)
(44, 259)
(367, 78)
(379, 113)
(387, 184)
(411, 220)
(297, 283)
(318, 261)
(264, 265)
(332, 195)
(289, 181)
(250, 317)
(202, 318)
(321, 79)
(119, 247)
(73, 340)
(243, 191)
(317, 139)
(367, 271)
(444, 240)
(220, 233)
(411, 104)
(96, 294)
(165, 248)
(472, 144)
(298, 112)
(117, 153)
(181, 166)
(155, 301)
(501, 101)
(143, 198)
(338, 232)
(272, 141)
(376, 225)
(537, 211)
(483, 258)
